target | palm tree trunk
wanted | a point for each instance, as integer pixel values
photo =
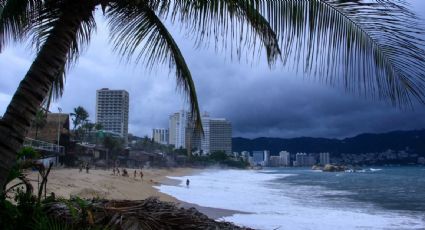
(34, 88)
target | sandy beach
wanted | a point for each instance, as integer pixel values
(103, 184)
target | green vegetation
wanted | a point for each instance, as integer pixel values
(39, 121)
(218, 158)
(148, 145)
(19, 207)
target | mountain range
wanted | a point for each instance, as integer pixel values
(411, 141)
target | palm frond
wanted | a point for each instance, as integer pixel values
(136, 28)
(46, 21)
(373, 47)
(16, 17)
(235, 24)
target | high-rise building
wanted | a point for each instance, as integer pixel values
(258, 157)
(324, 159)
(266, 158)
(217, 135)
(160, 136)
(285, 158)
(303, 159)
(275, 161)
(178, 124)
(112, 108)
(172, 128)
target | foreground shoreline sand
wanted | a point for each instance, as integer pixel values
(103, 184)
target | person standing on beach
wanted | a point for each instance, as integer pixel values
(141, 175)
(135, 174)
(187, 183)
(81, 167)
(113, 171)
(118, 171)
(87, 168)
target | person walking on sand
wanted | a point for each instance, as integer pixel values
(81, 167)
(187, 183)
(87, 168)
(141, 175)
(118, 171)
(135, 174)
(113, 171)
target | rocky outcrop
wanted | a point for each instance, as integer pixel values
(334, 168)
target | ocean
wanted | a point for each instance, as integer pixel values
(300, 198)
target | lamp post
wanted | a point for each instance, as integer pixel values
(59, 132)
(59, 124)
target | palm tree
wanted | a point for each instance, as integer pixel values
(369, 47)
(80, 116)
(98, 126)
(39, 121)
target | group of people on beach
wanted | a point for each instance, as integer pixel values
(117, 172)
(86, 166)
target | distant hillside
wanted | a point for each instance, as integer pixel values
(414, 141)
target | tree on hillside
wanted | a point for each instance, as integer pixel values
(373, 45)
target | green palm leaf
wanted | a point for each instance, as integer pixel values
(16, 17)
(136, 27)
(372, 47)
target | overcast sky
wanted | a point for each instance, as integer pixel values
(258, 101)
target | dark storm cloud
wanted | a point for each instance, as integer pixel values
(258, 101)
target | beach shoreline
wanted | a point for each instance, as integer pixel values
(101, 183)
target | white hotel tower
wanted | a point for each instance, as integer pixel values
(112, 111)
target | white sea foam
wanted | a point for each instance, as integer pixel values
(272, 208)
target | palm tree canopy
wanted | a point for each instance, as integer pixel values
(80, 116)
(371, 47)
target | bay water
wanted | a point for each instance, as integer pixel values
(300, 198)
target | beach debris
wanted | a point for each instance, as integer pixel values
(145, 214)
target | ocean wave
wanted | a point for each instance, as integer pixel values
(288, 205)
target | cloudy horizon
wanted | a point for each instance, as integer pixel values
(260, 102)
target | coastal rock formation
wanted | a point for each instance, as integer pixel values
(334, 168)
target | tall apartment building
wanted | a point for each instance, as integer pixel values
(217, 135)
(324, 159)
(258, 157)
(160, 136)
(285, 158)
(303, 160)
(178, 124)
(172, 128)
(112, 108)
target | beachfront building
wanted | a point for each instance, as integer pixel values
(261, 158)
(324, 159)
(304, 160)
(172, 128)
(160, 136)
(178, 123)
(275, 161)
(245, 155)
(112, 109)
(266, 158)
(258, 157)
(285, 158)
(217, 135)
